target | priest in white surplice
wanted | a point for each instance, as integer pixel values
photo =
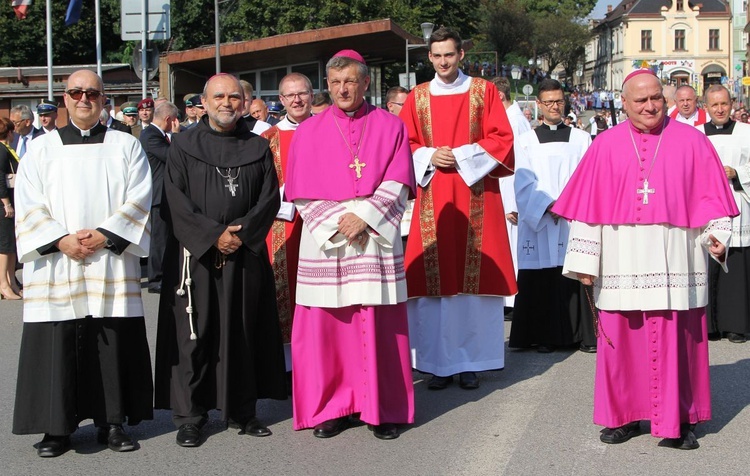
(551, 311)
(519, 124)
(728, 309)
(83, 193)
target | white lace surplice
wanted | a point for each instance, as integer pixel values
(644, 267)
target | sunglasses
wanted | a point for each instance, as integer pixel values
(77, 94)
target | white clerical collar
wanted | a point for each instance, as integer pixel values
(84, 133)
(287, 124)
(459, 86)
(688, 120)
(718, 126)
(553, 127)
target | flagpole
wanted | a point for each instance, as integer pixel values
(50, 77)
(97, 6)
(144, 41)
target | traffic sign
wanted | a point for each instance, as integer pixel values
(528, 90)
(746, 81)
(158, 23)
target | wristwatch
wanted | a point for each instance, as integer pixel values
(109, 244)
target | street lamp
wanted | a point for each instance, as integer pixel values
(426, 33)
(515, 73)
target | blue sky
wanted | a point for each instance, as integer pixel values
(601, 8)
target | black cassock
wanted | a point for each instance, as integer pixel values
(214, 180)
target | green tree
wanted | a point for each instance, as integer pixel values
(506, 26)
(25, 41)
(193, 24)
(564, 8)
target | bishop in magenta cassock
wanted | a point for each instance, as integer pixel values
(648, 199)
(458, 260)
(349, 175)
(295, 93)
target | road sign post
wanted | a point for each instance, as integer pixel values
(145, 20)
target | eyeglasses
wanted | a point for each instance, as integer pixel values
(77, 94)
(293, 96)
(560, 102)
(397, 103)
(18, 122)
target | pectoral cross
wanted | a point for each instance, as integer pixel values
(358, 166)
(528, 246)
(231, 185)
(645, 191)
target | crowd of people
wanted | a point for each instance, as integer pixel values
(328, 255)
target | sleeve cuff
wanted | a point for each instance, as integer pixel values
(118, 243)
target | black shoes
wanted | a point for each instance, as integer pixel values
(545, 348)
(53, 446)
(115, 438)
(736, 338)
(589, 349)
(614, 436)
(386, 431)
(156, 289)
(439, 383)
(468, 380)
(189, 435)
(252, 427)
(331, 428)
(686, 441)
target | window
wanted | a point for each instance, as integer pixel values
(680, 6)
(679, 40)
(310, 70)
(713, 39)
(646, 40)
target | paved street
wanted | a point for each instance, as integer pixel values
(533, 418)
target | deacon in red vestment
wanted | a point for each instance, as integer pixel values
(458, 259)
(295, 93)
(686, 107)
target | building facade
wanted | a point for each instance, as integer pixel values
(28, 85)
(684, 42)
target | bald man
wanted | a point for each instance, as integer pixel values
(219, 342)
(82, 195)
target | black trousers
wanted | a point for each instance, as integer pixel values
(159, 233)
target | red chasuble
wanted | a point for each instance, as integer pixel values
(283, 239)
(459, 244)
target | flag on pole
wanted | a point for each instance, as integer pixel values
(20, 7)
(74, 12)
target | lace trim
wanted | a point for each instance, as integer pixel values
(652, 280)
(586, 247)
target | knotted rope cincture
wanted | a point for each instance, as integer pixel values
(187, 282)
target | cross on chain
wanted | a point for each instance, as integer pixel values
(645, 191)
(528, 246)
(358, 166)
(231, 185)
